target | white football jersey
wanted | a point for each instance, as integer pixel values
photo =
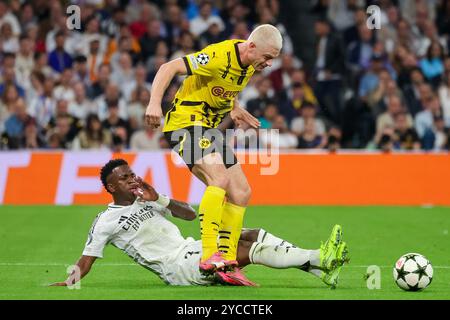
(142, 231)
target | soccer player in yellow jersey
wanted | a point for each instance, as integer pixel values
(216, 75)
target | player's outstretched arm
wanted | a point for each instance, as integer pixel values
(179, 209)
(84, 265)
(162, 80)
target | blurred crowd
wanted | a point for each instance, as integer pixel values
(386, 89)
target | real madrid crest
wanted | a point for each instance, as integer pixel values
(204, 143)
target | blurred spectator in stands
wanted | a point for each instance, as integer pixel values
(412, 91)
(307, 112)
(250, 91)
(386, 139)
(341, 13)
(149, 41)
(281, 77)
(370, 79)
(333, 139)
(93, 136)
(36, 86)
(213, 35)
(145, 139)
(377, 99)
(361, 52)
(139, 80)
(64, 90)
(81, 71)
(329, 68)
(123, 72)
(386, 119)
(58, 137)
(95, 58)
(278, 136)
(24, 63)
(119, 140)
(114, 121)
(43, 107)
(148, 12)
(111, 25)
(404, 35)
(9, 78)
(232, 12)
(265, 94)
(124, 42)
(59, 59)
(40, 65)
(7, 17)
(111, 93)
(290, 107)
(173, 20)
(268, 16)
(201, 23)
(424, 122)
(407, 137)
(32, 138)
(444, 98)
(351, 33)
(92, 33)
(433, 64)
(310, 138)
(8, 41)
(16, 123)
(185, 45)
(138, 104)
(240, 31)
(80, 106)
(7, 104)
(388, 32)
(269, 115)
(62, 110)
(153, 66)
(98, 87)
(441, 133)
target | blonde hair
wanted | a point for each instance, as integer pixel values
(266, 34)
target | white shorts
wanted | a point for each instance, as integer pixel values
(183, 269)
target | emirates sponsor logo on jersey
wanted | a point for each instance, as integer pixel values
(134, 221)
(218, 91)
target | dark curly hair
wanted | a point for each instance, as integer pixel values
(108, 168)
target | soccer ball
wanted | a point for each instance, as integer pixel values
(413, 272)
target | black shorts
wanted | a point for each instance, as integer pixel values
(195, 142)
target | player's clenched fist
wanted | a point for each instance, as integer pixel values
(153, 116)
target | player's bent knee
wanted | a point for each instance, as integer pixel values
(220, 181)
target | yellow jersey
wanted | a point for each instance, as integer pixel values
(215, 78)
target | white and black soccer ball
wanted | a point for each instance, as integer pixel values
(413, 272)
(203, 58)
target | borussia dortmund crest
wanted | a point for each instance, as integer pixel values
(204, 143)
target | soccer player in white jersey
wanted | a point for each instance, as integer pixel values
(136, 223)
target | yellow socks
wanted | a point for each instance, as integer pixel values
(232, 219)
(210, 215)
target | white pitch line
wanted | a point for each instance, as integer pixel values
(31, 264)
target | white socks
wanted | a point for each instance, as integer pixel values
(274, 252)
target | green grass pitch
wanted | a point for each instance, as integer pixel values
(39, 242)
